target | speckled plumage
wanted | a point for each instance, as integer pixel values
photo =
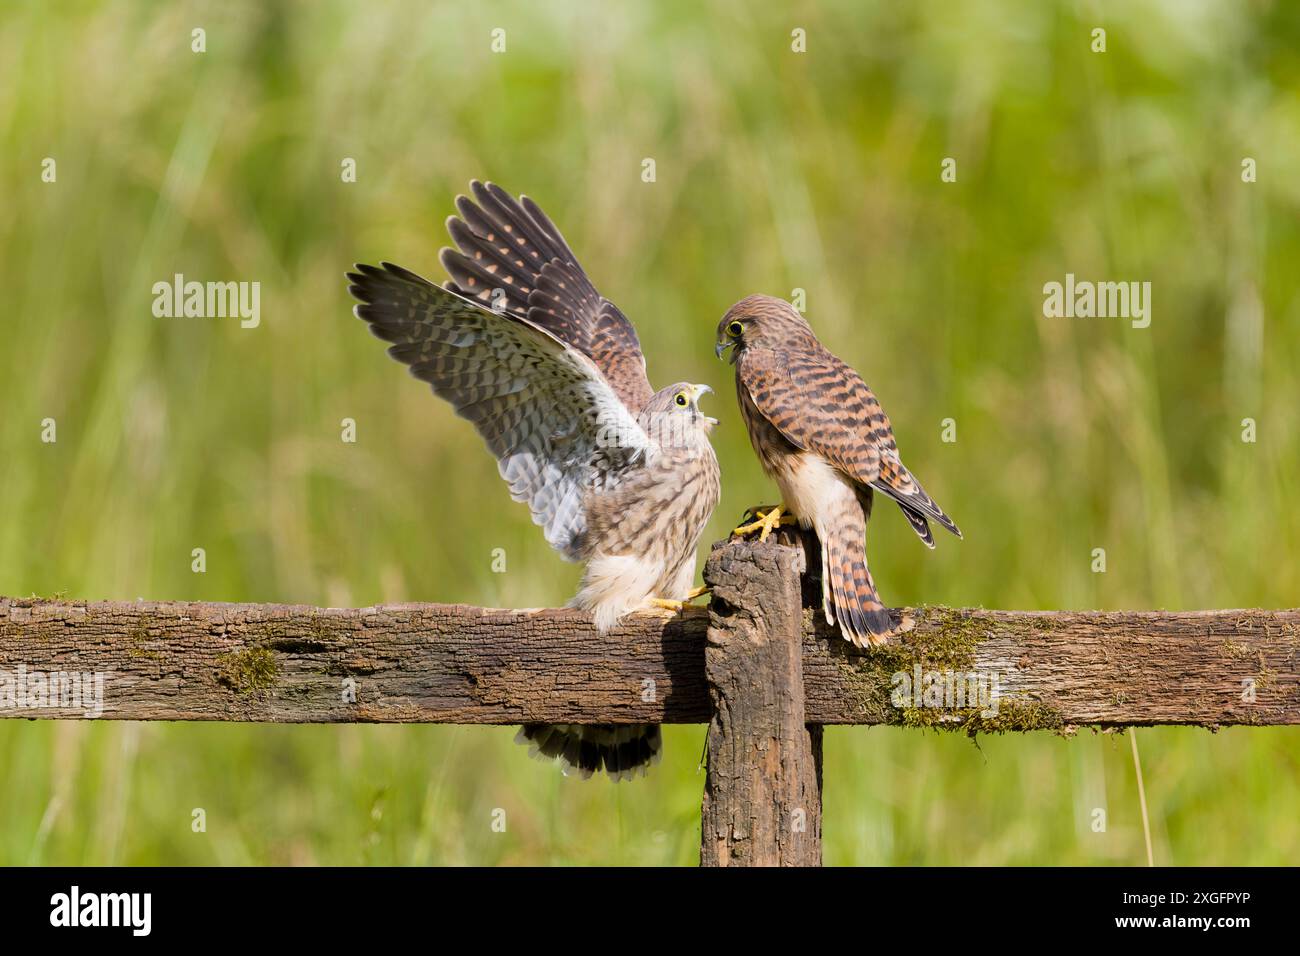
(551, 375)
(820, 433)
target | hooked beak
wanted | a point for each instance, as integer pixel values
(721, 348)
(701, 390)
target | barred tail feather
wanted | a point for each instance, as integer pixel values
(846, 578)
(621, 750)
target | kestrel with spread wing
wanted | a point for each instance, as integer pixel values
(551, 374)
(823, 438)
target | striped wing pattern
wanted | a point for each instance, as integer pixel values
(822, 405)
(543, 408)
(509, 251)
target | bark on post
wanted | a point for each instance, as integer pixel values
(762, 796)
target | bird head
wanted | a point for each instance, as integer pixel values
(673, 416)
(759, 321)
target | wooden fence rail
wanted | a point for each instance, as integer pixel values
(759, 665)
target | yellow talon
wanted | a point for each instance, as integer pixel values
(671, 605)
(766, 523)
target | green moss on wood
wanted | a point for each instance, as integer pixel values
(1013, 715)
(943, 639)
(248, 670)
(136, 635)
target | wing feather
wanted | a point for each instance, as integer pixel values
(543, 408)
(814, 407)
(511, 245)
(821, 405)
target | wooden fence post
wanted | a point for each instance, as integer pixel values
(762, 796)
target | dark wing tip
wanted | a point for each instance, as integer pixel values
(365, 271)
(498, 192)
(919, 524)
(407, 275)
(364, 283)
(947, 522)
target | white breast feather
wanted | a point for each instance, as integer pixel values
(812, 491)
(615, 585)
(809, 485)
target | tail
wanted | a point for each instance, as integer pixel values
(846, 580)
(621, 750)
(612, 586)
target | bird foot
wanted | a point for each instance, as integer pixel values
(662, 608)
(766, 523)
(668, 604)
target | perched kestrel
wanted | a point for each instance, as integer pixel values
(551, 374)
(822, 436)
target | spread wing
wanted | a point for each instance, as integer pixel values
(821, 405)
(510, 245)
(545, 411)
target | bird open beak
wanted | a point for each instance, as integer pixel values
(701, 390)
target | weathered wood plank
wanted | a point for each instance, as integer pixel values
(456, 664)
(1058, 669)
(762, 794)
(400, 663)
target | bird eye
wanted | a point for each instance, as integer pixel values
(734, 330)
(680, 399)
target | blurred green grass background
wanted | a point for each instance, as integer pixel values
(775, 171)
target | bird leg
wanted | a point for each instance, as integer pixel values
(670, 605)
(766, 523)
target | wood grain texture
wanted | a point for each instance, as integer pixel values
(457, 664)
(406, 663)
(762, 794)
(1061, 669)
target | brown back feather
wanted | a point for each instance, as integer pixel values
(822, 405)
